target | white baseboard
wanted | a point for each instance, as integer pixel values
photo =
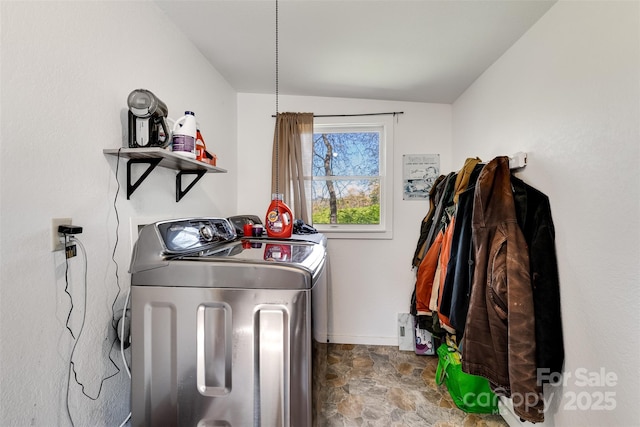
(361, 340)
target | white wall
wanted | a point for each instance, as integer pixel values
(67, 68)
(568, 94)
(372, 280)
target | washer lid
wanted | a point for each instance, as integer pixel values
(307, 255)
(214, 241)
(240, 264)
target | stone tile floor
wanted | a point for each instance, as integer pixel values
(373, 386)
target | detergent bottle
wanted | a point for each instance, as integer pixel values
(184, 135)
(201, 147)
(279, 219)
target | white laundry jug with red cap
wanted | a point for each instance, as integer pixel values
(184, 135)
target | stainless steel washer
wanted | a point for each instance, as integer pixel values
(222, 328)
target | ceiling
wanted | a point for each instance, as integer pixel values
(423, 51)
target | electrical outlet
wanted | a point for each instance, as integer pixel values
(56, 239)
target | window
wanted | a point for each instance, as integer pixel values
(351, 188)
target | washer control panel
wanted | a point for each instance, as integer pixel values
(191, 235)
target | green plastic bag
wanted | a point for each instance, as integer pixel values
(470, 393)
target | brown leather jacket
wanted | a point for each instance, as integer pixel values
(499, 340)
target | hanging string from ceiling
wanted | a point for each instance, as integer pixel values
(277, 111)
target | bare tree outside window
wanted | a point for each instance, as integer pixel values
(346, 177)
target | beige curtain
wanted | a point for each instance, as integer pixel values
(291, 162)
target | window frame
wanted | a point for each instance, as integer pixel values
(384, 124)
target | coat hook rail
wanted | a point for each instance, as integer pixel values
(518, 160)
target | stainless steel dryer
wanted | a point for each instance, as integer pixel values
(222, 328)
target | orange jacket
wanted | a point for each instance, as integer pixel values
(445, 254)
(426, 274)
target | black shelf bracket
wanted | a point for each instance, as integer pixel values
(152, 164)
(179, 193)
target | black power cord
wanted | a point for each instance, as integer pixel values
(114, 321)
(72, 366)
(66, 288)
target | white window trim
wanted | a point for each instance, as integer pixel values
(384, 230)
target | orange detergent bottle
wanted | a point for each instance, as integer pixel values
(279, 219)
